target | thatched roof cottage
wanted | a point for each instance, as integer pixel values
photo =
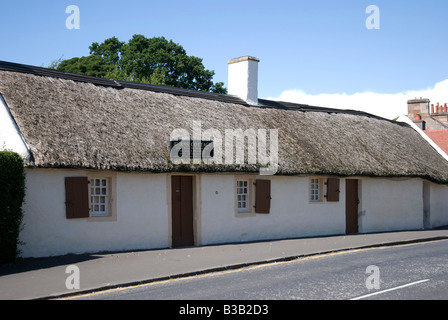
(114, 165)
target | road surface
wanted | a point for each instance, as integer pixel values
(417, 271)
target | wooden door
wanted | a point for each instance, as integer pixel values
(182, 210)
(351, 206)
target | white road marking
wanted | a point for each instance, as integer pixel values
(391, 289)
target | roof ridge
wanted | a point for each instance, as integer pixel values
(117, 84)
(46, 72)
(308, 108)
(226, 98)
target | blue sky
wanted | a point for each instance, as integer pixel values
(314, 47)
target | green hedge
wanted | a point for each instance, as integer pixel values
(12, 194)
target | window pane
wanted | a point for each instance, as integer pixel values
(314, 189)
(99, 196)
(242, 192)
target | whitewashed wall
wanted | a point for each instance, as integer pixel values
(10, 137)
(143, 212)
(389, 205)
(142, 216)
(291, 214)
(438, 205)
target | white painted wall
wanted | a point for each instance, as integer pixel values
(291, 214)
(389, 205)
(143, 212)
(10, 136)
(142, 216)
(438, 205)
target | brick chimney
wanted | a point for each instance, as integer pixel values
(243, 78)
(418, 107)
(418, 112)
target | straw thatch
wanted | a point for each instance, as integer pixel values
(71, 124)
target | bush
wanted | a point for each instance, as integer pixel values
(12, 194)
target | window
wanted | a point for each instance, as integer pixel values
(99, 197)
(91, 197)
(252, 196)
(243, 196)
(315, 190)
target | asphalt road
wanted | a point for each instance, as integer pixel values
(417, 271)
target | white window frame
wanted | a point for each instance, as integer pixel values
(244, 194)
(315, 194)
(99, 196)
(106, 193)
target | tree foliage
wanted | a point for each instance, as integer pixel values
(148, 60)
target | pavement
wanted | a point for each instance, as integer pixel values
(45, 278)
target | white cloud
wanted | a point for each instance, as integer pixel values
(385, 105)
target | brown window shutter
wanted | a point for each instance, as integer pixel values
(76, 197)
(332, 189)
(262, 196)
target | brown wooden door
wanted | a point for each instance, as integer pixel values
(182, 210)
(351, 206)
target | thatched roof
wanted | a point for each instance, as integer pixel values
(83, 123)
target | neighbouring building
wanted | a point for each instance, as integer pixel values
(432, 119)
(101, 174)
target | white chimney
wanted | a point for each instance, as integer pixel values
(243, 78)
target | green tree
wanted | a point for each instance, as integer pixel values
(148, 60)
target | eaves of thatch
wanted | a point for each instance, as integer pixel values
(71, 121)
